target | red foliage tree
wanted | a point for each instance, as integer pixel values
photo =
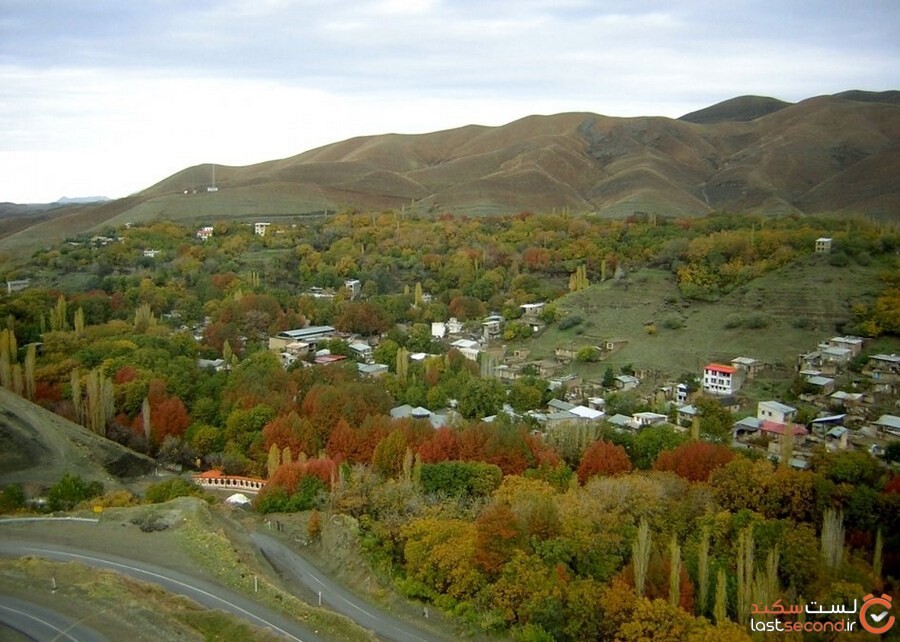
(442, 446)
(694, 461)
(168, 417)
(292, 431)
(343, 443)
(289, 476)
(497, 534)
(603, 458)
(893, 485)
(124, 375)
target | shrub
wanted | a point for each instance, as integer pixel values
(733, 321)
(461, 478)
(70, 491)
(570, 322)
(12, 498)
(170, 489)
(756, 321)
(587, 354)
(673, 322)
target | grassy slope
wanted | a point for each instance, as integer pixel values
(810, 288)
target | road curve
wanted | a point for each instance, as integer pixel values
(202, 592)
(37, 622)
(295, 567)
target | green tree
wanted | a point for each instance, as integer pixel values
(70, 491)
(481, 398)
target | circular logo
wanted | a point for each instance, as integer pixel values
(877, 622)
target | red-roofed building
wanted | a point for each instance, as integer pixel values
(778, 429)
(719, 379)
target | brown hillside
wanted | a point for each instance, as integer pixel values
(830, 154)
(39, 447)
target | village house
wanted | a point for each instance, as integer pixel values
(888, 426)
(775, 411)
(309, 336)
(17, 285)
(354, 287)
(883, 370)
(152, 254)
(627, 382)
(492, 327)
(823, 245)
(260, 228)
(719, 379)
(371, 370)
(205, 233)
(748, 365)
(362, 351)
(468, 348)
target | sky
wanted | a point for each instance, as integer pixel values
(107, 97)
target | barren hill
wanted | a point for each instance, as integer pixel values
(38, 447)
(830, 154)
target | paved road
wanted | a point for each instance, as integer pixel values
(205, 593)
(36, 622)
(295, 567)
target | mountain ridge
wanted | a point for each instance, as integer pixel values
(834, 154)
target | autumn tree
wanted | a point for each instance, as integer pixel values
(603, 458)
(387, 460)
(498, 535)
(694, 461)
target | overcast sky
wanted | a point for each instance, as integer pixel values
(107, 97)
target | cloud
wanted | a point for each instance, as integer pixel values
(236, 81)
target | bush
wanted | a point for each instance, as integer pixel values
(12, 498)
(461, 478)
(756, 321)
(838, 259)
(673, 322)
(570, 322)
(733, 321)
(587, 354)
(170, 489)
(70, 491)
(275, 499)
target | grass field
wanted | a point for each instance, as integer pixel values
(810, 290)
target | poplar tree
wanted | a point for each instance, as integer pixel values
(833, 537)
(674, 571)
(703, 572)
(640, 556)
(77, 398)
(79, 322)
(30, 363)
(720, 610)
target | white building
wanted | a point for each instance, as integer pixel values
(719, 379)
(468, 348)
(775, 411)
(823, 245)
(260, 228)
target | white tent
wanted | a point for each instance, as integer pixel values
(238, 499)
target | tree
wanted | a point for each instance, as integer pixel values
(640, 556)
(694, 461)
(481, 398)
(833, 537)
(70, 491)
(651, 441)
(498, 535)
(387, 460)
(603, 458)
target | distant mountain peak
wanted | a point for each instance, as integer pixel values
(65, 200)
(740, 109)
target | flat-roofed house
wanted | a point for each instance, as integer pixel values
(311, 335)
(719, 379)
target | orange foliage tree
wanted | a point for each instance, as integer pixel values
(603, 458)
(694, 461)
